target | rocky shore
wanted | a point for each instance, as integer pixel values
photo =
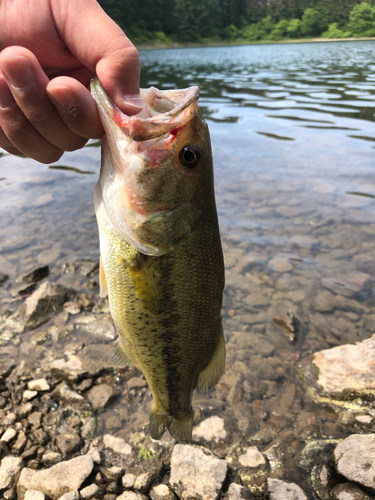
(74, 427)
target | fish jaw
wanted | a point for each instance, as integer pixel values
(150, 198)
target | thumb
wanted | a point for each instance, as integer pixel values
(100, 44)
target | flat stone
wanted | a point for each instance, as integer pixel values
(89, 492)
(237, 492)
(136, 383)
(118, 445)
(355, 459)
(71, 397)
(252, 458)
(195, 474)
(9, 468)
(348, 491)
(34, 495)
(70, 369)
(343, 373)
(94, 358)
(281, 490)
(58, 479)
(210, 429)
(38, 385)
(102, 328)
(101, 395)
(364, 419)
(161, 492)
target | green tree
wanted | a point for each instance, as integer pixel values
(362, 20)
(195, 20)
(310, 22)
(295, 28)
(280, 31)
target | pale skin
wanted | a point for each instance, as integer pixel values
(49, 51)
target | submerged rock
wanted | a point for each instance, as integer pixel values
(281, 490)
(237, 492)
(355, 459)
(196, 473)
(348, 491)
(211, 429)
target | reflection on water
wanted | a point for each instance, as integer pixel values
(296, 206)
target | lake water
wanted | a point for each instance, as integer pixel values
(292, 129)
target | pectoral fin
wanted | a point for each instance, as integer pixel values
(118, 357)
(210, 376)
(102, 281)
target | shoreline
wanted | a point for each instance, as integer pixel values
(223, 43)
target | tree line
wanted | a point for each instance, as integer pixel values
(169, 21)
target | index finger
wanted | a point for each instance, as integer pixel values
(100, 44)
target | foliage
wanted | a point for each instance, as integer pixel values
(168, 21)
(144, 453)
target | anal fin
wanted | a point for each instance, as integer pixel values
(118, 357)
(210, 376)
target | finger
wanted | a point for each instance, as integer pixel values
(18, 135)
(103, 47)
(28, 83)
(76, 107)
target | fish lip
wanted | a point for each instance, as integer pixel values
(140, 128)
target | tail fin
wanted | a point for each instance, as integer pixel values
(180, 429)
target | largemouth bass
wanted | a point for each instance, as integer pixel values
(161, 259)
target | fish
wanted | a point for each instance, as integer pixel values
(161, 260)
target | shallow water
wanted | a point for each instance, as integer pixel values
(293, 140)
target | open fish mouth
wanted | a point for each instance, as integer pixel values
(163, 111)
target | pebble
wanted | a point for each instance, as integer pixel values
(281, 490)
(210, 429)
(252, 458)
(20, 443)
(100, 396)
(348, 491)
(89, 492)
(118, 445)
(195, 474)
(8, 435)
(68, 442)
(70, 369)
(58, 479)
(112, 473)
(72, 495)
(94, 452)
(132, 495)
(128, 480)
(355, 459)
(143, 481)
(71, 397)
(28, 395)
(9, 468)
(51, 458)
(34, 495)
(237, 492)
(136, 383)
(161, 492)
(38, 385)
(280, 264)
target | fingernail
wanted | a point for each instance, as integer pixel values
(64, 98)
(6, 97)
(18, 71)
(133, 100)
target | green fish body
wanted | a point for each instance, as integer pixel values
(161, 257)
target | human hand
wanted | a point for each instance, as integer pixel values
(49, 51)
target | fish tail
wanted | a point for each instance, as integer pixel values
(179, 429)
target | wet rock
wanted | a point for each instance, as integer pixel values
(102, 328)
(136, 383)
(322, 479)
(43, 304)
(35, 275)
(252, 458)
(132, 495)
(34, 495)
(94, 359)
(237, 492)
(348, 491)
(318, 452)
(68, 442)
(3, 278)
(83, 267)
(211, 429)
(281, 490)
(9, 468)
(70, 369)
(101, 395)
(72, 308)
(71, 397)
(342, 373)
(196, 473)
(128, 480)
(280, 264)
(118, 445)
(38, 385)
(161, 492)
(89, 492)
(58, 479)
(355, 459)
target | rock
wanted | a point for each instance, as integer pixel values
(95, 455)
(9, 419)
(72, 307)
(72, 495)
(318, 452)
(144, 480)
(252, 458)
(38, 385)
(161, 492)
(68, 442)
(20, 443)
(70, 369)
(71, 397)
(136, 383)
(280, 264)
(323, 479)
(343, 373)
(118, 445)
(27, 395)
(3, 278)
(51, 458)
(36, 275)
(276, 460)
(43, 304)
(348, 491)
(132, 495)
(211, 429)
(84, 267)
(58, 479)
(34, 495)
(24, 410)
(35, 419)
(102, 328)
(89, 492)
(8, 435)
(128, 480)
(9, 468)
(196, 474)
(94, 358)
(237, 492)
(281, 490)
(355, 459)
(100, 396)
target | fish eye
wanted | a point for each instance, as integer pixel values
(189, 157)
